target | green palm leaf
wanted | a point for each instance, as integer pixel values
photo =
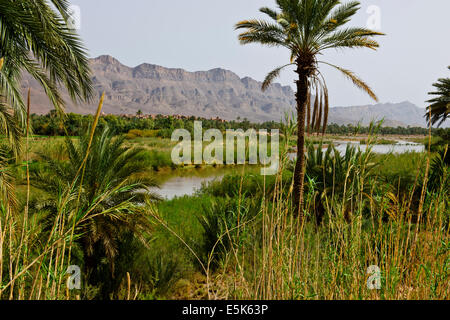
(439, 109)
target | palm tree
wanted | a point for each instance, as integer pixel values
(35, 38)
(440, 105)
(108, 196)
(307, 28)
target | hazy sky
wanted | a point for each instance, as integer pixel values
(199, 35)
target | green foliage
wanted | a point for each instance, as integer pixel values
(162, 127)
(439, 109)
(307, 28)
(249, 185)
(159, 126)
(336, 177)
(357, 193)
(440, 177)
(153, 267)
(221, 222)
(136, 133)
(36, 39)
(111, 188)
(90, 202)
(438, 141)
(400, 170)
(157, 159)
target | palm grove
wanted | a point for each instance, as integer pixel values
(90, 198)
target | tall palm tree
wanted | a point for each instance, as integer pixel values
(440, 105)
(110, 193)
(35, 38)
(307, 28)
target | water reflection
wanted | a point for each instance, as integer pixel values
(181, 183)
(398, 148)
(183, 186)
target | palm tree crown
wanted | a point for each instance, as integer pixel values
(35, 38)
(307, 28)
(440, 105)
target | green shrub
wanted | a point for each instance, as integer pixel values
(222, 220)
(136, 133)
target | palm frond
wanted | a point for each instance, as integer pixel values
(261, 32)
(37, 31)
(7, 189)
(271, 13)
(315, 110)
(9, 125)
(272, 76)
(320, 110)
(342, 15)
(326, 111)
(356, 81)
(351, 38)
(440, 104)
(308, 113)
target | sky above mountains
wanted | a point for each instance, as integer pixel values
(199, 35)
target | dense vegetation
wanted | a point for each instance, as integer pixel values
(236, 238)
(72, 124)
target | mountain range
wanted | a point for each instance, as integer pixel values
(401, 114)
(215, 93)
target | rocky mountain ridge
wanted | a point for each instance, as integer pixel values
(215, 93)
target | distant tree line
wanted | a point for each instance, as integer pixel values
(352, 129)
(75, 125)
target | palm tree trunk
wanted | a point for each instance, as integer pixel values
(299, 173)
